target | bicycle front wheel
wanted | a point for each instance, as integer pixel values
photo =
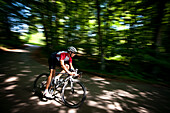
(73, 96)
(40, 84)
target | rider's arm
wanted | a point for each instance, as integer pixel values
(64, 67)
(71, 66)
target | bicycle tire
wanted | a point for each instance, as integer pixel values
(40, 84)
(81, 90)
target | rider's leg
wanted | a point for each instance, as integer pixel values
(52, 73)
(63, 71)
(52, 65)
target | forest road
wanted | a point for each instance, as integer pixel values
(18, 71)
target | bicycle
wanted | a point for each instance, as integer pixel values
(73, 92)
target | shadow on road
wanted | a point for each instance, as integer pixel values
(18, 72)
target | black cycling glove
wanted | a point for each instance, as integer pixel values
(72, 70)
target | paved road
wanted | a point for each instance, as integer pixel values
(18, 71)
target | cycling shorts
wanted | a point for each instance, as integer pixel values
(53, 62)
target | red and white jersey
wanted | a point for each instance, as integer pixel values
(63, 55)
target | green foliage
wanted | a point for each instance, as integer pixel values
(36, 38)
(128, 38)
(11, 44)
(14, 42)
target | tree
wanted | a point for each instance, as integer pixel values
(12, 14)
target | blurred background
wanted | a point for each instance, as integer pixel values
(114, 37)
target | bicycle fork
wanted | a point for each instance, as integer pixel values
(72, 89)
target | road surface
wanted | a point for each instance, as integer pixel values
(18, 71)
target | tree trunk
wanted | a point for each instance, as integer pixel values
(100, 36)
(45, 31)
(7, 28)
(158, 32)
(159, 29)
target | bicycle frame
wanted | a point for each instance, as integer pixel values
(69, 78)
(69, 84)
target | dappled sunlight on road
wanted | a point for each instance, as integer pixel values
(1, 75)
(122, 93)
(10, 95)
(30, 45)
(21, 75)
(17, 74)
(11, 79)
(10, 87)
(109, 96)
(14, 50)
(141, 110)
(27, 71)
(33, 98)
(103, 99)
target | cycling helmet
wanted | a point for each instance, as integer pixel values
(72, 49)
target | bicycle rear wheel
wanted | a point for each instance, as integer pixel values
(73, 97)
(40, 84)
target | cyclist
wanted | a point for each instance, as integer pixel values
(62, 59)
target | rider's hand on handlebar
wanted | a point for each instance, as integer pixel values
(72, 73)
(71, 70)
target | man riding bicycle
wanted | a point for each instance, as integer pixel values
(62, 59)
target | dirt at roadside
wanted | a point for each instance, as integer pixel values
(38, 56)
